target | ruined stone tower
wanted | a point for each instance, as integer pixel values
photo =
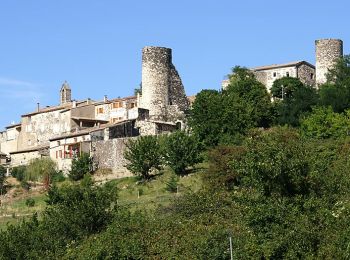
(162, 91)
(65, 93)
(327, 52)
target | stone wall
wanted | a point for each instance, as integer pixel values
(177, 95)
(109, 154)
(327, 52)
(156, 64)
(37, 129)
(163, 93)
(307, 75)
(275, 73)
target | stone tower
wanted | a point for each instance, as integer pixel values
(65, 93)
(162, 91)
(327, 52)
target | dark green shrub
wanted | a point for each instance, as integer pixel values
(30, 202)
(18, 172)
(25, 185)
(58, 177)
(172, 184)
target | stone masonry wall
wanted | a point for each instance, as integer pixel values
(177, 95)
(307, 75)
(156, 62)
(108, 154)
(327, 52)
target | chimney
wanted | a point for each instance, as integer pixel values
(74, 105)
(105, 98)
(88, 101)
(38, 107)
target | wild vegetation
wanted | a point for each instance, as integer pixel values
(276, 182)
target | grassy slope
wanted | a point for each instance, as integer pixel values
(132, 193)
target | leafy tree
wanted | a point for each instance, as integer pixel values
(336, 92)
(205, 117)
(284, 88)
(220, 175)
(275, 163)
(224, 117)
(143, 154)
(297, 100)
(324, 123)
(80, 166)
(252, 94)
(41, 169)
(181, 151)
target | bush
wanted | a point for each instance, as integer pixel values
(30, 202)
(80, 166)
(58, 177)
(25, 185)
(18, 172)
(172, 184)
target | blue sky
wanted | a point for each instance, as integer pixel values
(96, 45)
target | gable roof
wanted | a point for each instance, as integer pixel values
(283, 65)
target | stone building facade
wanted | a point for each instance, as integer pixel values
(327, 52)
(299, 69)
(100, 128)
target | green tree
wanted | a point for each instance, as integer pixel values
(41, 169)
(181, 151)
(80, 166)
(205, 117)
(144, 155)
(298, 99)
(324, 123)
(253, 94)
(336, 92)
(224, 117)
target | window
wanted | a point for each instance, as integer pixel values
(58, 143)
(311, 76)
(274, 74)
(100, 110)
(287, 74)
(60, 153)
(132, 105)
(117, 104)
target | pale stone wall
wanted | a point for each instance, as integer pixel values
(9, 140)
(327, 52)
(109, 154)
(276, 73)
(24, 158)
(156, 77)
(37, 129)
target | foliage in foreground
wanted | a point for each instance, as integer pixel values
(278, 194)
